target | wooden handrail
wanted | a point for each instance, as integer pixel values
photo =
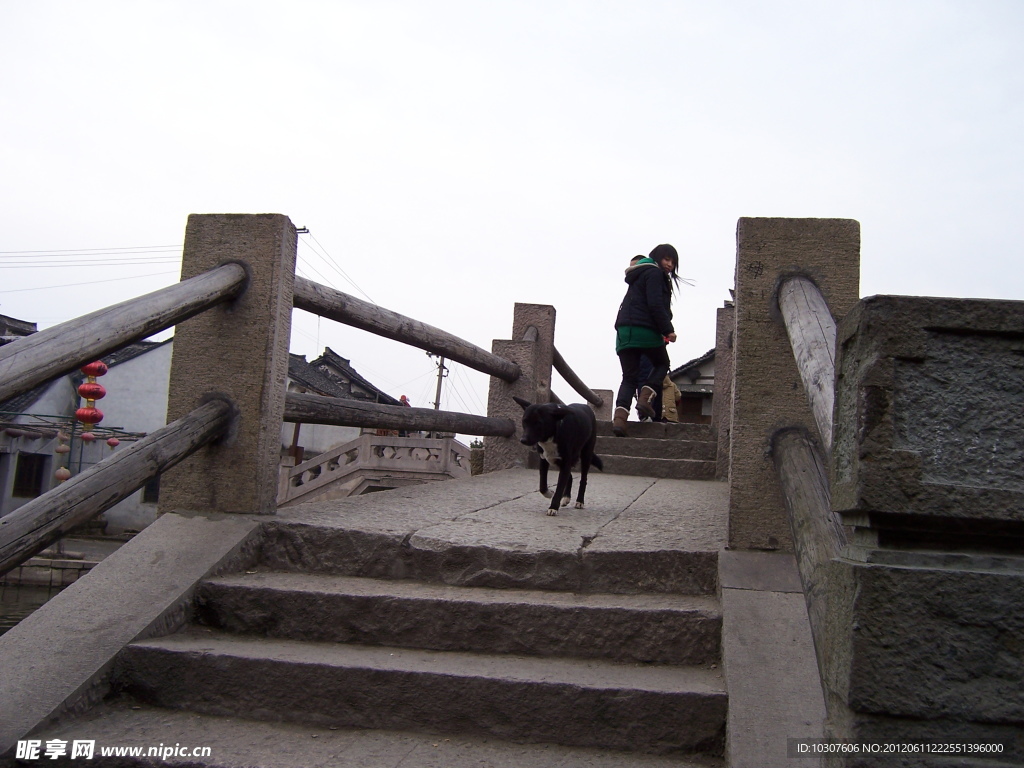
(812, 333)
(62, 348)
(316, 409)
(343, 308)
(817, 535)
(575, 381)
(34, 526)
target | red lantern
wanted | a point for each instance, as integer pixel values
(97, 368)
(89, 415)
(90, 390)
(62, 474)
(87, 437)
(113, 442)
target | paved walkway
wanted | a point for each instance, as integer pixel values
(635, 534)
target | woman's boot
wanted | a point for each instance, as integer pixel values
(643, 403)
(619, 421)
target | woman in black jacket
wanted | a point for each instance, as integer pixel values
(643, 328)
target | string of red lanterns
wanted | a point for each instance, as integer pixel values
(91, 391)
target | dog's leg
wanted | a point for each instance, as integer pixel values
(563, 473)
(544, 478)
(584, 469)
(568, 491)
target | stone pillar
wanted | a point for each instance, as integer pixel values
(926, 610)
(768, 394)
(541, 317)
(721, 413)
(534, 357)
(239, 350)
(604, 412)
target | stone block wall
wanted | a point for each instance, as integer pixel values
(925, 638)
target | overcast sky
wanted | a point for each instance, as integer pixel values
(453, 158)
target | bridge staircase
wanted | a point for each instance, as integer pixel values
(654, 449)
(456, 624)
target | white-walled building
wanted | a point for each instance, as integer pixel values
(696, 382)
(135, 405)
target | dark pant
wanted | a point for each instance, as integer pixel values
(630, 359)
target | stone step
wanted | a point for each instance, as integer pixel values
(657, 448)
(461, 555)
(662, 430)
(653, 709)
(635, 535)
(240, 743)
(679, 469)
(672, 629)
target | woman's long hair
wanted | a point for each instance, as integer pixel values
(666, 251)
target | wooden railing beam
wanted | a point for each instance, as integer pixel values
(575, 381)
(35, 526)
(343, 308)
(817, 534)
(58, 350)
(316, 409)
(812, 333)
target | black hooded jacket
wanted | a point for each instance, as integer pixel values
(648, 301)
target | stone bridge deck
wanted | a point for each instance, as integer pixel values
(641, 544)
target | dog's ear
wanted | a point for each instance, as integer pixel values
(525, 403)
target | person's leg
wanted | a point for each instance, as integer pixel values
(629, 361)
(645, 371)
(652, 386)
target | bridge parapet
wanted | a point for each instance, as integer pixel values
(924, 611)
(930, 419)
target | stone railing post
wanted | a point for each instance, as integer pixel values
(926, 611)
(721, 415)
(532, 347)
(239, 350)
(768, 394)
(604, 412)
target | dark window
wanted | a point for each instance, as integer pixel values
(151, 491)
(28, 475)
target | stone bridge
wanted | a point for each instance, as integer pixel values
(854, 573)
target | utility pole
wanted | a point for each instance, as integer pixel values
(442, 371)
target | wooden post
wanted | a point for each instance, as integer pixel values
(61, 349)
(317, 409)
(817, 533)
(575, 381)
(343, 308)
(240, 350)
(812, 332)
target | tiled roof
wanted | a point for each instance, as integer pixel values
(709, 355)
(331, 362)
(311, 378)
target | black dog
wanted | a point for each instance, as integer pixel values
(563, 436)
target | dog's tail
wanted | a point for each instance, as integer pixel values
(595, 461)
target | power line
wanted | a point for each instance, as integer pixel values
(92, 282)
(82, 263)
(131, 249)
(326, 256)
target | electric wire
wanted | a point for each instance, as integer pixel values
(90, 282)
